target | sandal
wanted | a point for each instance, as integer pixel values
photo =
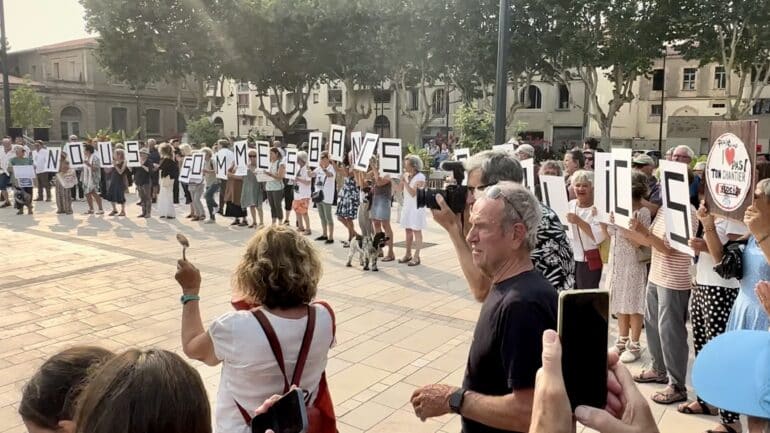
(113, 213)
(388, 259)
(686, 408)
(122, 214)
(643, 377)
(669, 395)
(404, 259)
(414, 262)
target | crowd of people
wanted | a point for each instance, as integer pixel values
(515, 255)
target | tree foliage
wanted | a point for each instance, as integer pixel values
(28, 108)
(202, 131)
(475, 128)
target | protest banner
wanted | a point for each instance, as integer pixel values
(528, 166)
(675, 192)
(730, 168)
(291, 163)
(25, 175)
(368, 147)
(53, 160)
(620, 180)
(74, 154)
(603, 186)
(355, 145)
(105, 152)
(390, 157)
(337, 143)
(241, 153)
(314, 149)
(186, 170)
(132, 154)
(196, 173)
(553, 190)
(223, 161)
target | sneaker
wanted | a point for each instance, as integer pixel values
(632, 353)
(321, 238)
(329, 241)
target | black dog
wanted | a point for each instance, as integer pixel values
(368, 249)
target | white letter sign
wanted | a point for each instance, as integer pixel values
(74, 154)
(528, 166)
(223, 162)
(368, 147)
(241, 152)
(337, 143)
(105, 152)
(186, 170)
(263, 155)
(554, 192)
(390, 157)
(291, 163)
(675, 192)
(314, 149)
(196, 173)
(132, 154)
(603, 187)
(53, 161)
(621, 180)
(355, 145)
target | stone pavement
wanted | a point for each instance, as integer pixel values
(103, 280)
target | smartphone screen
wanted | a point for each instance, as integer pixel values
(583, 329)
(287, 415)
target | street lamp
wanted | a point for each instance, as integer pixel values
(231, 97)
(501, 84)
(4, 59)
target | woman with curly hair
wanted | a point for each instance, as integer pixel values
(279, 272)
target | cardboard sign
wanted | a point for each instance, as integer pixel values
(508, 147)
(291, 163)
(528, 166)
(132, 154)
(337, 143)
(314, 149)
(196, 171)
(186, 170)
(25, 175)
(730, 168)
(390, 157)
(223, 161)
(462, 153)
(355, 145)
(368, 147)
(603, 187)
(622, 205)
(553, 189)
(75, 154)
(675, 192)
(105, 152)
(53, 160)
(263, 155)
(241, 153)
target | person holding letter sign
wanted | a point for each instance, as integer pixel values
(40, 155)
(348, 199)
(324, 196)
(586, 233)
(143, 181)
(65, 181)
(92, 179)
(168, 171)
(116, 187)
(251, 194)
(668, 296)
(382, 193)
(24, 191)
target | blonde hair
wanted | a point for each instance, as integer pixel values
(186, 149)
(207, 151)
(165, 150)
(280, 268)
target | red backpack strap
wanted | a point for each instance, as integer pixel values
(275, 345)
(334, 318)
(304, 350)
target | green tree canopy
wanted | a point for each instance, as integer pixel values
(28, 108)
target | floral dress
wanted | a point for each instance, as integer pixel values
(347, 204)
(627, 276)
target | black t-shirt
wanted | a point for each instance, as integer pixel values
(507, 344)
(141, 176)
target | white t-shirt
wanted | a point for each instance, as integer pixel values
(40, 158)
(325, 179)
(706, 276)
(250, 373)
(586, 214)
(303, 190)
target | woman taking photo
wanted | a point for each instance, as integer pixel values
(274, 187)
(279, 271)
(348, 200)
(116, 186)
(251, 195)
(168, 172)
(412, 217)
(586, 232)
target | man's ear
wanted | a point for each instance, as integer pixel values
(66, 426)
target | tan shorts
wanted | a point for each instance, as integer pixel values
(300, 206)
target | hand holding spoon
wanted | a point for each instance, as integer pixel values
(182, 239)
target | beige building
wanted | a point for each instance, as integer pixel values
(83, 99)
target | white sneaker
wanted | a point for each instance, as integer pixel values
(632, 353)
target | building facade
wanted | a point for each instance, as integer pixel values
(83, 99)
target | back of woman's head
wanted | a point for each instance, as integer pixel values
(50, 395)
(639, 188)
(165, 150)
(280, 268)
(148, 391)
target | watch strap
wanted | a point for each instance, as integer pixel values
(187, 298)
(456, 400)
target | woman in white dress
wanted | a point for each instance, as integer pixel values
(412, 218)
(169, 170)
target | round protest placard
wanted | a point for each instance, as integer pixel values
(728, 172)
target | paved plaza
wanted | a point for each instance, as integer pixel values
(80, 279)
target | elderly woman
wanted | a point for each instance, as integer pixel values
(574, 160)
(21, 158)
(412, 217)
(668, 295)
(212, 183)
(92, 179)
(251, 193)
(550, 168)
(586, 232)
(325, 183)
(301, 202)
(116, 187)
(274, 187)
(168, 172)
(65, 181)
(279, 271)
(627, 276)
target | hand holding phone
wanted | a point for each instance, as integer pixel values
(287, 414)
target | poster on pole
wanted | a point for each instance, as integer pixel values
(337, 143)
(314, 149)
(603, 187)
(390, 157)
(132, 154)
(355, 144)
(241, 153)
(53, 160)
(553, 189)
(528, 166)
(368, 147)
(75, 154)
(291, 163)
(196, 172)
(675, 192)
(620, 179)
(105, 152)
(730, 168)
(223, 162)
(186, 170)
(462, 153)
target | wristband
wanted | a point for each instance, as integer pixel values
(187, 298)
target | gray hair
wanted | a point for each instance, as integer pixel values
(495, 166)
(207, 150)
(151, 142)
(414, 161)
(687, 149)
(550, 164)
(302, 156)
(520, 206)
(764, 186)
(583, 176)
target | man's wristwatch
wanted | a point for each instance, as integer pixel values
(456, 400)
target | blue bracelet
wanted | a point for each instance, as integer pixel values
(187, 298)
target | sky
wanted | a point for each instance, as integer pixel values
(34, 23)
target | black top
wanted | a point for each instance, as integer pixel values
(141, 176)
(168, 168)
(507, 344)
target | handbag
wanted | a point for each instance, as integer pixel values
(731, 265)
(318, 194)
(592, 257)
(320, 415)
